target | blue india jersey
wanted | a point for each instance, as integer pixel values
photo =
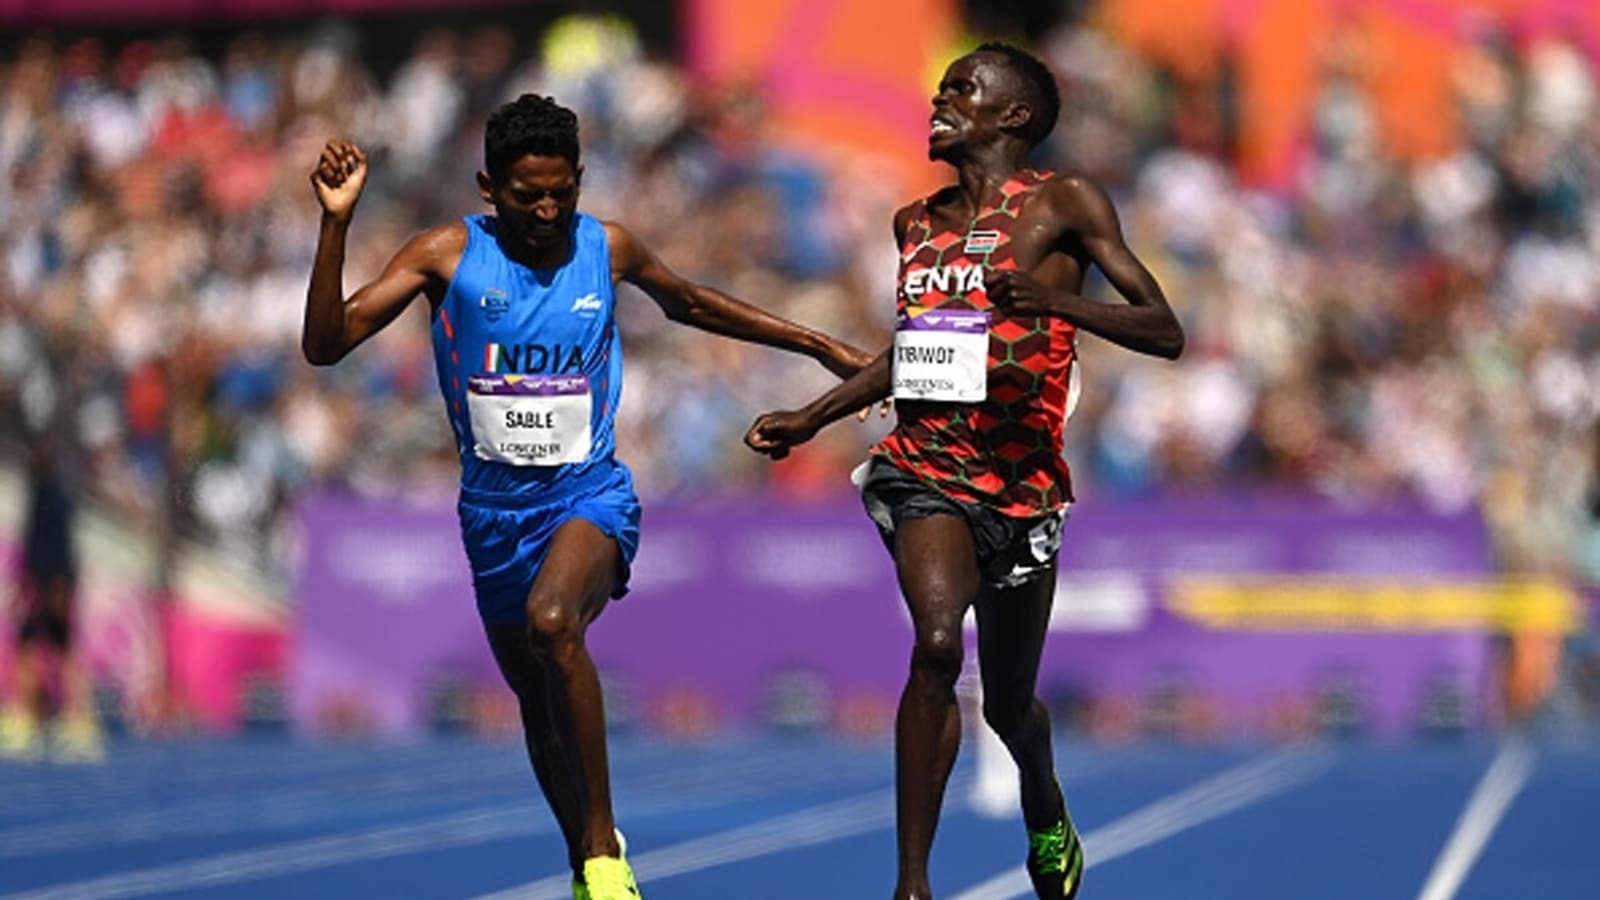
(515, 347)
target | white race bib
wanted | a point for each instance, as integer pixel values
(530, 420)
(942, 355)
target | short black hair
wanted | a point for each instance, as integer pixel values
(531, 125)
(1043, 97)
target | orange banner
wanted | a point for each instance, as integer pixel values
(838, 75)
(1405, 49)
(857, 76)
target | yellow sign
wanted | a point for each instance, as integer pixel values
(1332, 604)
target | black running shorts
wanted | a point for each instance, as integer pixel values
(1011, 551)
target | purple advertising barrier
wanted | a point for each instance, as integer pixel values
(384, 609)
(730, 602)
(722, 599)
(741, 613)
(1116, 634)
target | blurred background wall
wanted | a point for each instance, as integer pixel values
(1372, 476)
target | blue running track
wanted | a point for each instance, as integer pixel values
(799, 819)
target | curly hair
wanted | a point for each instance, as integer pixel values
(529, 125)
(1039, 84)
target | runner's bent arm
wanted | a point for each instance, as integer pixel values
(333, 325)
(711, 310)
(872, 383)
(774, 433)
(1145, 324)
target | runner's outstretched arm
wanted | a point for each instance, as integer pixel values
(708, 309)
(776, 432)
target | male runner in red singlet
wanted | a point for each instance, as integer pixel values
(970, 488)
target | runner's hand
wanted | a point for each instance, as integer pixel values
(775, 433)
(340, 175)
(1018, 293)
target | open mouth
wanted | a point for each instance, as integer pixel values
(939, 127)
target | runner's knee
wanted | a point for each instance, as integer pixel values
(938, 654)
(553, 627)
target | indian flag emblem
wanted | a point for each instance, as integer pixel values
(981, 242)
(491, 358)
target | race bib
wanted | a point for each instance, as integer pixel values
(530, 420)
(942, 355)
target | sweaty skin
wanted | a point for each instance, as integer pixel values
(984, 125)
(545, 659)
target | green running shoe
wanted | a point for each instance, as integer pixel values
(609, 878)
(1055, 861)
(620, 889)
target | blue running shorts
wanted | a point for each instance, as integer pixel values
(506, 536)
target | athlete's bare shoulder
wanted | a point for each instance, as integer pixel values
(616, 233)
(628, 253)
(1070, 195)
(436, 251)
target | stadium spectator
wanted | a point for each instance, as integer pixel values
(1375, 329)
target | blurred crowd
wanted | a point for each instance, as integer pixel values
(1379, 329)
(1376, 331)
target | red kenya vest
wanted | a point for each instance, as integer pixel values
(1005, 450)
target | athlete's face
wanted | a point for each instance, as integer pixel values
(535, 200)
(976, 97)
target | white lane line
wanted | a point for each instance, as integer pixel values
(808, 827)
(1500, 784)
(1234, 789)
(391, 794)
(119, 785)
(461, 829)
(254, 808)
(301, 856)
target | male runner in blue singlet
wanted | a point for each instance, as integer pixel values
(530, 363)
